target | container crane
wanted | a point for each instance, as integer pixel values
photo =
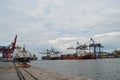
(78, 48)
(95, 46)
(91, 45)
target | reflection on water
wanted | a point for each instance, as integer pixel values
(98, 69)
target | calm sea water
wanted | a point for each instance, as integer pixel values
(98, 69)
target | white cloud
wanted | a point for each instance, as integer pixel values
(62, 39)
(110, 40)
(111, 34)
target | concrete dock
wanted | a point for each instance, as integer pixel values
(8, 72)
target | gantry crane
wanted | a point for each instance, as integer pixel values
(91, 45)
(96, 46)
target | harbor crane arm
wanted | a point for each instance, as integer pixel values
(8, 50)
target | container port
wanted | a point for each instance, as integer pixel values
(89, 50)
(13, 64)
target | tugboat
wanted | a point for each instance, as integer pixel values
(85, 51)
(51, 55)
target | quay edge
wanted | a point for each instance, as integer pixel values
(7, 71)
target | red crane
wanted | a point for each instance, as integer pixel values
(8, 50)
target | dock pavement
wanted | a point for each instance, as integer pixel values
(8, 72)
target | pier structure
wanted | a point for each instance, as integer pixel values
(15, 71)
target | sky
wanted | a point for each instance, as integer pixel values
(41, 24)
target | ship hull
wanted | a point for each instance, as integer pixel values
(50, 58)
(24, 59)
(66, 57)
(70, 57)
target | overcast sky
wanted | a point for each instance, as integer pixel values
(41, 24)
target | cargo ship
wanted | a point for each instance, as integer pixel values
(77, 57)
(51, 54)
(84, 51)
(89, 50)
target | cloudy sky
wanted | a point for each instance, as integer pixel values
(41, 24)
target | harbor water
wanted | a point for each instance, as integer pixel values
(96, 69)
